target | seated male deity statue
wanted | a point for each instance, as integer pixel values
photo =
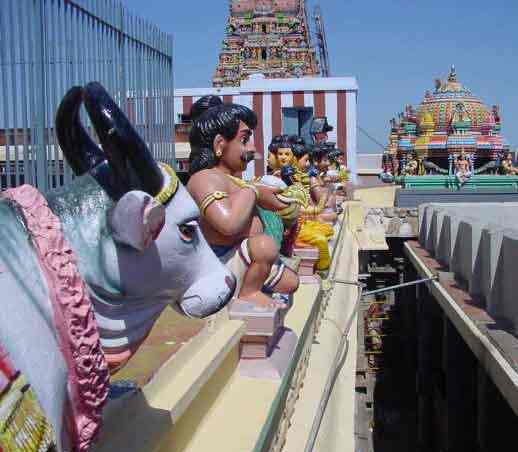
(462, 168)
(220, 150)
(411, 166)
(508, 167)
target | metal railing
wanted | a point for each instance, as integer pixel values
(48, 46)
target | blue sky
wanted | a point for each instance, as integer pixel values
(396, 48)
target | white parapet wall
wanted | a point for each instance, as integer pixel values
(479, 244)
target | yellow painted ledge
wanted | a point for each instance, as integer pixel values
(139, 420)
(383, 196)
(337, 428)
(231, 410)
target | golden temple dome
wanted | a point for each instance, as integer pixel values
(442, 104)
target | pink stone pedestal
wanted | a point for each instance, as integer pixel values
(275, 365)
(309, 256)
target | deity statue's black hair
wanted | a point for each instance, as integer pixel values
(333, 155)
(221, 120)
(203, 104)
(319, 152)
(298, 146)
(274, 145)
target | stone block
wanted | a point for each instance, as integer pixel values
(447, 239)
(406, 229)
(490, 252)
(436, 230)
(465, 262)
(425, 220)
(275, 365)
(505, 285)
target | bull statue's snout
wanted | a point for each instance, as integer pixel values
(209, 294)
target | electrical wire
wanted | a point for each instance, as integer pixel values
(362, 130)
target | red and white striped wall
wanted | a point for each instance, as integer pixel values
(334, 97)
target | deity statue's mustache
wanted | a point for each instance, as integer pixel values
(248, 156)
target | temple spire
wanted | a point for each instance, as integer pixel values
(452, 76)
(270, 37)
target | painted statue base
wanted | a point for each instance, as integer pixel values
(260, 321)
(311, 279)
(309, 256)
(258, 346)
(275, 365)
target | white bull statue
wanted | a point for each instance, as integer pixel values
(86, 271)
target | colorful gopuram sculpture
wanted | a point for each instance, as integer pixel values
(266, 36)
(452, 133)
(85, 271)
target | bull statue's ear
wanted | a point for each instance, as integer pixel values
(136, 220)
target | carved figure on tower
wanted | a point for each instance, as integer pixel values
(273, 29)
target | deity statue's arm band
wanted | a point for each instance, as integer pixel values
(211, 198)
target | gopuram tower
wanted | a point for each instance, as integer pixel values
(270, 37)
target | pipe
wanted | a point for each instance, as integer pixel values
(399, 286)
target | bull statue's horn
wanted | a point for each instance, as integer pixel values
(126, 151)
(81, 152)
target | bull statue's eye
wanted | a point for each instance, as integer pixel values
(188, 231)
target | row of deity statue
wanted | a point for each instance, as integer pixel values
(247, 223)
(461, 165)
(238, 26)
(319, 173)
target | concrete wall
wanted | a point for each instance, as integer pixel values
(479, 244)
(334, 97)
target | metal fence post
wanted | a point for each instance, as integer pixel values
(170, 98)
(38, 115)
(62, 43)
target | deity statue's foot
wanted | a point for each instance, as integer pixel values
(260, 300)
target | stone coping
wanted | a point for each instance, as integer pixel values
(478, 243)
(495, 348)
(413, 197)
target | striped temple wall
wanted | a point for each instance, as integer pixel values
(332, 97)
